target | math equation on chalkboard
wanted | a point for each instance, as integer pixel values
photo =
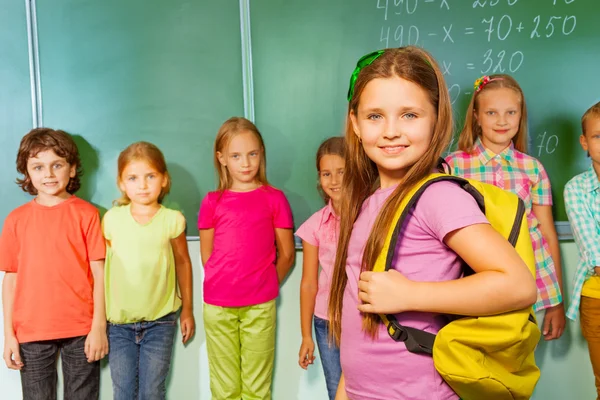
(470, 38)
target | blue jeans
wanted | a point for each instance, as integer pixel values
(38, 376)
(330, 356)
(140, 356)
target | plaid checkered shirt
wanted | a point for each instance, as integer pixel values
(525, 176)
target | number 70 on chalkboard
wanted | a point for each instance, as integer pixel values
(546, 144)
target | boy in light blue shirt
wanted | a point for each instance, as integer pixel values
(582, 201)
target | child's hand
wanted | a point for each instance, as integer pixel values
(188, 324)
(384, 292)
(96, 344)
(307, 349)
(554, 322)
(597, 270)
(12, 356)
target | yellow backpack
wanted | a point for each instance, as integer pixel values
(480, 358)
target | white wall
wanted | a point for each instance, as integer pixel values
(566, 370)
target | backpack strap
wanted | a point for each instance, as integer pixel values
(416, 340)
(443, 166)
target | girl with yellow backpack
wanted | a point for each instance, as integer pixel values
(399, 122)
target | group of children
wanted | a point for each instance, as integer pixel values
(89, 288)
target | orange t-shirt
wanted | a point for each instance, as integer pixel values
(50, 249)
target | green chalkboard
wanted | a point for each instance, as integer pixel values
(15, 98)
(304, 52)
(114, 72)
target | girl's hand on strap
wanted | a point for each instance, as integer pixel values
(306, 353)
(384, 292)
(12, 355)
(188, 324)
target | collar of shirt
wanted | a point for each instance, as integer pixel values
(485, 155)
(329, 212)
(590, 182)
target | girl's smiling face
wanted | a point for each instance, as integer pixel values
(331, 173)
(394, 121)
(498, 113)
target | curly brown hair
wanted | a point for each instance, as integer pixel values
(43, 139)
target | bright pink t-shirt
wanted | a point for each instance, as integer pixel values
(321, 230)
(241, 269)
(382, 368)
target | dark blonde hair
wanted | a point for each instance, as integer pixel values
(43, 139)
(471, 130)
(230, 128)
(361, 177)
(334, 146)
(592, 112)
(149, 153)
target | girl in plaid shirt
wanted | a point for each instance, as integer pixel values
(492, 147)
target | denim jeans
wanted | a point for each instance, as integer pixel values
(330, 356)
(140, 356)
(39, 377)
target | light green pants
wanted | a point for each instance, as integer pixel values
(241, 350)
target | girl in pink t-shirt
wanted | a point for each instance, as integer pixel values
(398, 124)
(319, 242)
(247, 249)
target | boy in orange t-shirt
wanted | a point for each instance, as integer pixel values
(52, 252)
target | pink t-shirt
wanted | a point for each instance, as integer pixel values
(241, 269)
(321, 230)
(382, 368)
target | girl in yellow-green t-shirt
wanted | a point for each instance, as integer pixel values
(147, 261)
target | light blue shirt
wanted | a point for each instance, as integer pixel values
(583, 209)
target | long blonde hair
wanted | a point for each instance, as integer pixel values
(147, 152)
(361, 176)
(230, 128)
(471, 130)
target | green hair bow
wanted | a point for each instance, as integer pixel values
(363, 62)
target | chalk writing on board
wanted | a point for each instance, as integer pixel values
(555, 24)
(399, 6)
(498, 62)
(405, 7)
(403, 36)
(493, 38)
(502, 27)
(447, 31)
(547, 143)
(492, 3)
(446, 67)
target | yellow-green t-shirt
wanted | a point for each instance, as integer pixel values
(140, 279)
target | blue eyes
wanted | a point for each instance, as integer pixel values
(494, 112)
(236, 156)
(133, 178)
(408, 116)
(327, 174)
(54, 166)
